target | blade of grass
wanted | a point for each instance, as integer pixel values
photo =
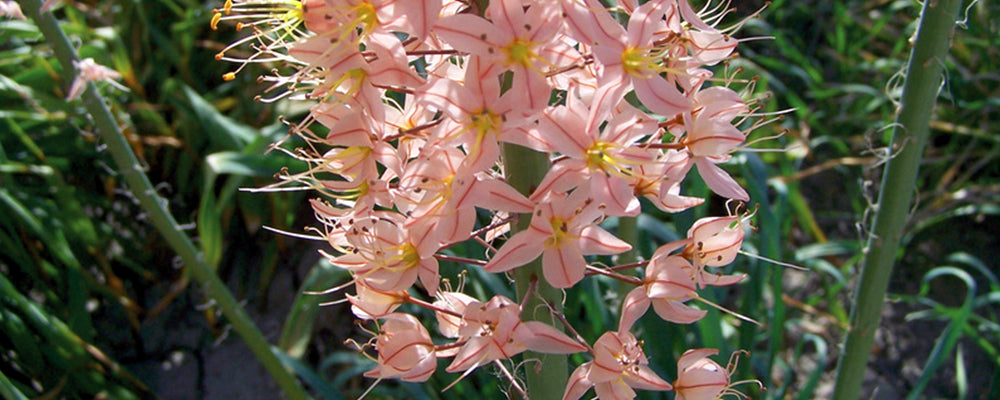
(155, 206)
(923, 81)
(951, 334)
(8, 390)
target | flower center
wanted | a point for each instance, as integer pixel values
(519, 52)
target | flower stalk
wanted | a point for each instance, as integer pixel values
(546, 379)
(923, 82)
(155, 207)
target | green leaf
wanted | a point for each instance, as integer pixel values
(319, 385)
(210, 228)
(231, 162)
(223, 132)
(298, 328)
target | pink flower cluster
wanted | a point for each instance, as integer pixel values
(413, 102)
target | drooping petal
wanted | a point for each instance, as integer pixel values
(448, 97)
(474, 353)
(720, 182)
(563, 267)
(660, 96)
(644, 378)
(614, 390)
(543, 338)
(565, 131)
(471, 34)
(596, 240)
(677, 312)
(499, 195)
(689, 357)
(634, 306)
(449, 324)
(520, 249)
(578, 383)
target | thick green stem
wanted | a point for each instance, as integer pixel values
(155, 207)
(628, 231)
(923, 81)
(547, 378)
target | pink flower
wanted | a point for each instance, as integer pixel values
(371, 303)
(519, 38)
(435, 189)
(387, 257)
(714, 242)
(405, 350)
(700, 378)
(710, 137)
(667, 286)
(10, 8)
(601, 162)
(494, 331)
(478, 117)
(670, 282)
(630, 57)
(91, 71)
(619, 366)
(563, 229)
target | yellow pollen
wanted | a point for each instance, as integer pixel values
(519, 52)
(228, 7)
(560, 234)
(366, 14)
(485, 121)
(632, 61)
(229, 76)
(216, 17)
(597, 155)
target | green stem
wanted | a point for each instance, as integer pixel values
(923, 80)
(628, 231)
(155, 207)
(547, 378)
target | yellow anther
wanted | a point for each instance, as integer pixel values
(215, 20)
(229, 76)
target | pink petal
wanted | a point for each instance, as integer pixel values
(578, 383)
(689, 357)
(428, 273)
(660, 96)
(448, 97)
(422, 371)
(499, 195)
(590, 23)
(595, 240)
(646, 379)
(474, 353)
(615, 193)
(720, 102)
(677, 312)
(712, 137)
(643, 22)
(708, 278)
(720, 182)
(563, 267)
(563, 176)
(614, 390)
(543, 338)
(471, 34)
(634, 306)
(520, 249)
(565, 131)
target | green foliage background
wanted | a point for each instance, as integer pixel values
(83, 273)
